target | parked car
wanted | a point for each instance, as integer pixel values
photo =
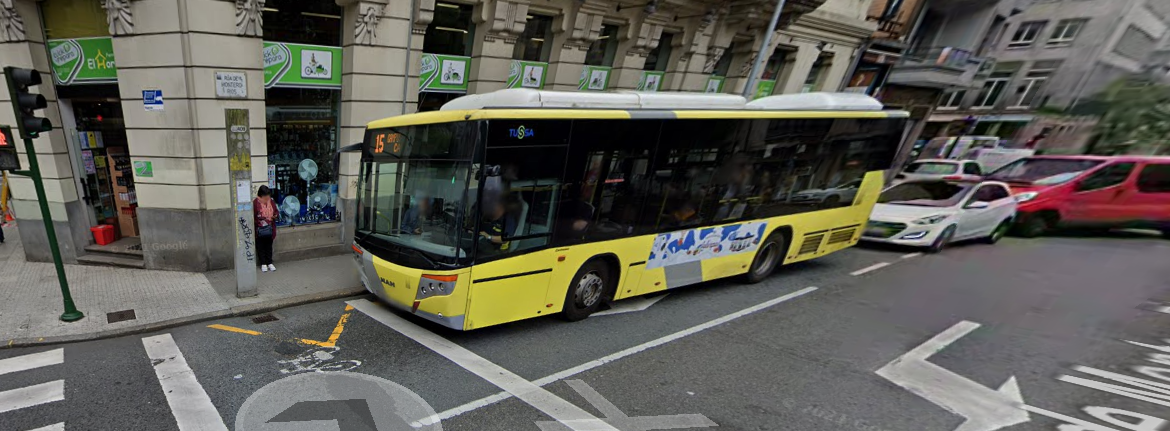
(1089, 191)
(934, 213)
(941, 169)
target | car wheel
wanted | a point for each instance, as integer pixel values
(943, 239)
(586, 291)
(1033, 226)
(768, 257)
(999, 232)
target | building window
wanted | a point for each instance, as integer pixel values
(952, 100)
(451, 30)
(813, 81)
(74, 18)
(724, 64)
(1135, 44)
(535, 44)
(776, 63)
(1027, 34)
(1029, 90)
(602, 50)
(1065, 32)
(659, 57)
(992, 90)
(315, 23)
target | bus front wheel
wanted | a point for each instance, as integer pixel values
(767, 258)
(586, 291)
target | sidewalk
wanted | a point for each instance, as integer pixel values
(30, 297)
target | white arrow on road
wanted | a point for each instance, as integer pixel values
(985, 409)
(631, 305)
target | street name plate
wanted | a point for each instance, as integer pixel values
(231, 85)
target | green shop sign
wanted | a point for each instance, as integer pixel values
(83, 60)
(527, 74)
(301, 66)
(764, 88)
(650, 81)
(444, 73)
(715, 84)
(594, 78)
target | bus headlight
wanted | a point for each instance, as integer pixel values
(435, 285)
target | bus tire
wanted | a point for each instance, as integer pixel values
(768, 257)
(586, 290)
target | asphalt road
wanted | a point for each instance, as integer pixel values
(1053, 317)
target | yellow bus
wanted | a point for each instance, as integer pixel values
(522, 203)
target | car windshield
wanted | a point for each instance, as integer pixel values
(1042, 171)
(415, 205)
(932, 168)
(925, 194)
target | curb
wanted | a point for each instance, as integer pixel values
(239, 310)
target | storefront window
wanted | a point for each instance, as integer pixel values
(302, 109)
(298, 21)
(658, 58)
(602, 50)
(451, 30)
(724, 64)
(73, 18)
(536, 42)
(819, 67)
(775, 64)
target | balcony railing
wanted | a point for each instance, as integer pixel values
(943, 56)
(892, 26)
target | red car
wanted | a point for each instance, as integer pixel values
(1089, 191)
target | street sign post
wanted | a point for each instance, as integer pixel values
(239, 152)
(24, 105)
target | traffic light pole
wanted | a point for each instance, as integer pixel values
(71, 313)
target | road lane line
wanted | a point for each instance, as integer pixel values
(60, 426)
(35, 360)
(558, 409)
(492, 399)
(870, 268)
(189, 403)
(32, 395)
(234, 329)
(337, 330)
(911, 255)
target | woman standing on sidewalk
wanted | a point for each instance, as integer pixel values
(265, 210)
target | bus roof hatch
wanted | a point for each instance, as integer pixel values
(527, 98)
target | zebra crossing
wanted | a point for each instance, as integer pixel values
(28, 396)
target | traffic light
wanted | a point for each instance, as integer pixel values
(8, 159)
(25, 103)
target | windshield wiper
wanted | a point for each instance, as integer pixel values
(428, 258)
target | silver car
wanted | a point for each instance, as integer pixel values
(941, 169)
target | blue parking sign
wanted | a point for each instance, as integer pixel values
(152, 100)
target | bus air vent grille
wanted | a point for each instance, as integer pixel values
(840, 236)
(811, 243)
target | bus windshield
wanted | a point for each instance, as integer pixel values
(412, 204)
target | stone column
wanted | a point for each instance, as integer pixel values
(697, 57)
(185, 214)
(806, 55)
(573, 31)
(843, 58)
(379, 79)
(497, 25)
(634, 42)
(22, 45)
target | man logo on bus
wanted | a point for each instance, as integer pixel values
(521, 132)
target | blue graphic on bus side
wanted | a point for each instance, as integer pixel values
(693, 245)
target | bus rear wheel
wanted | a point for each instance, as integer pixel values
(767, 258)
(586, 291)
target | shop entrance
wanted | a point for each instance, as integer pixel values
(96, 132)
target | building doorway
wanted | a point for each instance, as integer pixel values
(96, 131)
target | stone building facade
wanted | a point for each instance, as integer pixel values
(139, 88)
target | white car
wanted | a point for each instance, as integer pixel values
(831, 196)
(934, 213)
(941, 169)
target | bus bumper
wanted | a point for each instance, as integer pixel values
(387, 288)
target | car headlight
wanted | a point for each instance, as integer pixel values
(1026, 196)
(934, 219)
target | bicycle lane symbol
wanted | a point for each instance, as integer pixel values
(353, 401)
(318, 359)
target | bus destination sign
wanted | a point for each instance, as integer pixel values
(392, 143)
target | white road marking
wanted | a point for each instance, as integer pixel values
(911, 255)
(59, 426)
(189, 403)
(35, 360)
(558, 409)
(983, 408)
(489, 400)
(614, 416)
(1163, 309)
(631, 305)
(32, 395)
(870, 268)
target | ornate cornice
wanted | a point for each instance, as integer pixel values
(119, 17)
(365, 27)
(250, 18)
(11, 24)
